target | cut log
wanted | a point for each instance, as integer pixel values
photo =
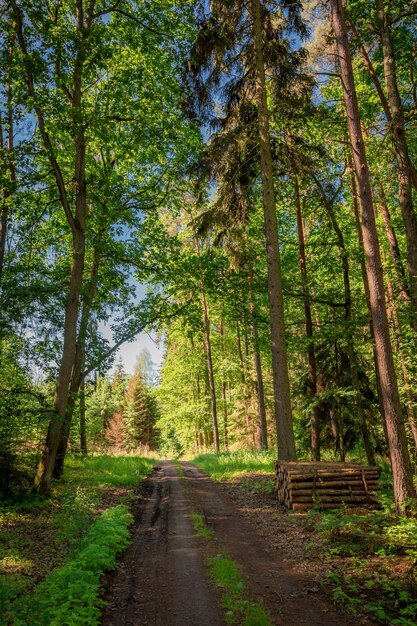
(326, 485)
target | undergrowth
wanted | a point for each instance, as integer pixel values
(71, 594)
(372, 545)
(40, 535)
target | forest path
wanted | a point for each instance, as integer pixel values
(162, 579)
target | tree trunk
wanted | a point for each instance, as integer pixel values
(210, 372)
(400, 459)
(47, 461)
(4, 213)
(83, 431)
(282, 398)
(367, 296)
(409, 393)
(393, 246)
(240, 354)
(77, 377)
(224, 399)
(258, 368)
(405, 196)
(312, 370)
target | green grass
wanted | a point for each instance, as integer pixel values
(40, 535)
(200, 528)
(239, 608)
(179, 467)
(229, 465)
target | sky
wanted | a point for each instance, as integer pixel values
(129, 351)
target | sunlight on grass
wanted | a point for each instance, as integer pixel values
(49, 531)
(107, 471)
(227, 465)
(14, 563)
(200, 528)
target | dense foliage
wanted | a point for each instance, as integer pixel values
(201, 153)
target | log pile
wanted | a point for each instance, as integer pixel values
(304, 485)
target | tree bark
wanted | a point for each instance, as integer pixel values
(312, 369)
(240, 354)
(4, 213)
(393, 245)
(366, 290)
(282, 398)
(400, 459)
(410, 395)
(405, 196)
(83, 431)
(224, 399)
(210, 371)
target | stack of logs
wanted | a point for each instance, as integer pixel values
(302, 486)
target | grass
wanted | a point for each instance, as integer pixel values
(365, 551)
(179, 467)
(239, 608)
(229, 465)
(40, 535)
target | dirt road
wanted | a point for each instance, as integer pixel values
(162, 579)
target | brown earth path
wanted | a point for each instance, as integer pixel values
(163, 581)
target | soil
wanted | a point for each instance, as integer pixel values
(163, 580)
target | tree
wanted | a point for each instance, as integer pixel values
(403, 484)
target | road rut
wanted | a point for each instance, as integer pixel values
(162, 579)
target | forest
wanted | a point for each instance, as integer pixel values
(237, 179)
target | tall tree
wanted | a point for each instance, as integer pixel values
(403, 483)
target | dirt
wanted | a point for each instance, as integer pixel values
(163, 579)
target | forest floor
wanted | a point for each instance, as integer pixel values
(49, 547)
(363, 562)
(189, 530)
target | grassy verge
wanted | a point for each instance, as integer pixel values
(229, 465)
(42, 537)
(239, 608)
(367, 558)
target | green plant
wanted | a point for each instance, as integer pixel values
(42, 534)
(71, 594)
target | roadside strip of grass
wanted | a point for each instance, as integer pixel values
(367, 559)
(229, 465)
(54, 552)
(239, 608)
